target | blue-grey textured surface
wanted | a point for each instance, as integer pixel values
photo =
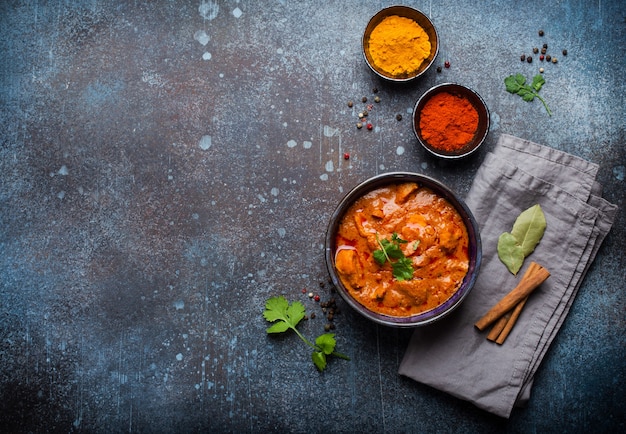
(167, 166)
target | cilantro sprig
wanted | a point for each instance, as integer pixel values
(285, 316)
(516, 84)
(390, 251)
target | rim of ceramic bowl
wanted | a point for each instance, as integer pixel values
(475, 248)
(405, 11)
(483, 119)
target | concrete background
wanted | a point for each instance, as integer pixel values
(167, 166)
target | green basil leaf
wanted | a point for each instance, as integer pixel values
(528, 229)
(510, 252)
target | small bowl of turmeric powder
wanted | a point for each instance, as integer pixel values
(451, 121)
(400, 43)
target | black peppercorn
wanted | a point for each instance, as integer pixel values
(564, 52)
(544, 50)
(529, 59)
(540, 32)
(439, 69)
(375, 90)
(545, 46)
(350, 103)
(398, 117)
(548, 58)
(535, 50)
(364, 99)
(522, 57)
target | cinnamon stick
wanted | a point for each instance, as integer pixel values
(535, 275)
(498, 326)
(511, 322)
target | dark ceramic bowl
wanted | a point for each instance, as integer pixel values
(483, 120)
(419, 18)
(475, 248)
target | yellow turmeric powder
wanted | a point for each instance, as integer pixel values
(398, 46)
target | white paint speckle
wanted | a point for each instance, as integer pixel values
(330, 131)
(274, 191)
(152, 78)
(292, 143)
(179, 357)
(307, 145)
(424, 165)
(63, 170)
(400, 150)
(494, 118)
(619, 172)
(205, 143)
(61, 194)
(324, 176)
(179, 304)
(237, 13)
(208, 10)
(202, 37)
(206, 56)
(329, 166)
(195, 216)
(279, 51)
(282, 232)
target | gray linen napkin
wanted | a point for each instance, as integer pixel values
(452, 355)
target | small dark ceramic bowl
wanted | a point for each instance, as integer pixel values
(475, 248)
(476, 101)
(407, 12)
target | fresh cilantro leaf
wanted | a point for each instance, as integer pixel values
(278, 327)
(326, 343)
(275, 308)
(538, 82)
(516, 84)
(279, 309)
(402, 267)
(396, 238)
(379, 256)
(285, 316)
(319, 359)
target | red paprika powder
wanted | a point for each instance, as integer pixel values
(448, 122)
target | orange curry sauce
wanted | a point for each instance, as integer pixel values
(437, 244)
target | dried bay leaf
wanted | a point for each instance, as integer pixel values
(527, 231)
(529, 228)
(510, 252)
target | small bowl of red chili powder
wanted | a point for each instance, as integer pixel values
(451, 121)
